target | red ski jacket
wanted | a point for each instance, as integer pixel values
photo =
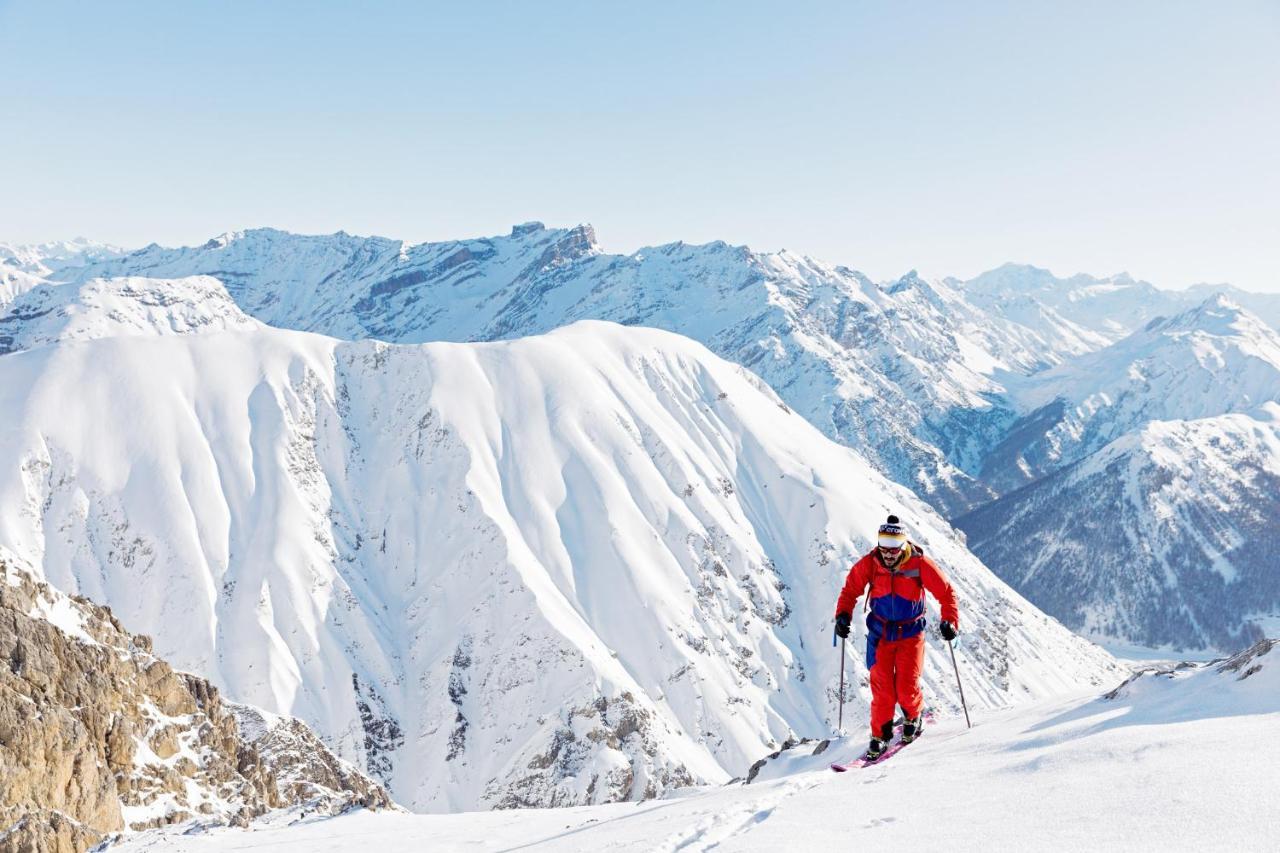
(896, 595)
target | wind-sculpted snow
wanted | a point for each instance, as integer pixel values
(1165, 537)
(898, 371)
(911, 374)
(575, 568)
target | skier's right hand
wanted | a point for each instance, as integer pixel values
(843, 620)
(948, 631)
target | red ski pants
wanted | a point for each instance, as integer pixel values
(895, 680)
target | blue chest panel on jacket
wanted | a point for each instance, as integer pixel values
(892, 617)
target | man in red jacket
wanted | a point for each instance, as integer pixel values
(896, 575)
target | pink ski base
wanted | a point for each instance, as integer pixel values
(862, 762)
(893, 750)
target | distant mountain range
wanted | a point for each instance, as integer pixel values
(908, 372)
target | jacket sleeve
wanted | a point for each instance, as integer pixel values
(935, 581)
(857, 580)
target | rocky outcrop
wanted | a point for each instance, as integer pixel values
(593, 757)
(98, 736)
(302, 767)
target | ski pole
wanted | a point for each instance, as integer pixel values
(963, 704)
(842, 656)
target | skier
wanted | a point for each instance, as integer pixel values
(897, 573)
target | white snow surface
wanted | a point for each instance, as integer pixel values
(1176, 759)
(910, 373)
(592, 565)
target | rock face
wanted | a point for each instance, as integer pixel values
(98, 736)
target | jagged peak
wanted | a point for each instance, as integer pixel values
(1015, 267)
(584, 231)
(1219, 314)
(526, 228)
(576, 242)
(908, 281)
(711, 247)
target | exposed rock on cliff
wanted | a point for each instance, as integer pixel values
(98, 736)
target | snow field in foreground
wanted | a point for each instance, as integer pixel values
(1175, 762)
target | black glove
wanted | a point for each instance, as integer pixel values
(948, 631)
(843, 621)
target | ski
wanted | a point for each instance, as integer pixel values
(893, 749)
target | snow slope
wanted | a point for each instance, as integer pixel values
(941, 386)
(1166, 536)
(1175, 759)
(586, 566)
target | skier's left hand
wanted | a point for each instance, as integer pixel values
(948, 631)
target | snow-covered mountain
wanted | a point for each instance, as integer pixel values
(900, 371)
(43, 259)
(1074, 315)
(24, 267)
(1164, 537)
(1178, 757)
(1140, 484)
(103, 308)
(1265, 306)
(962, 391)
(572, 568)
(1212, 359)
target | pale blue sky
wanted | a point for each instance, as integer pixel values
(948, 137)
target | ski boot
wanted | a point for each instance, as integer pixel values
(879, 744)
(912, 728)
